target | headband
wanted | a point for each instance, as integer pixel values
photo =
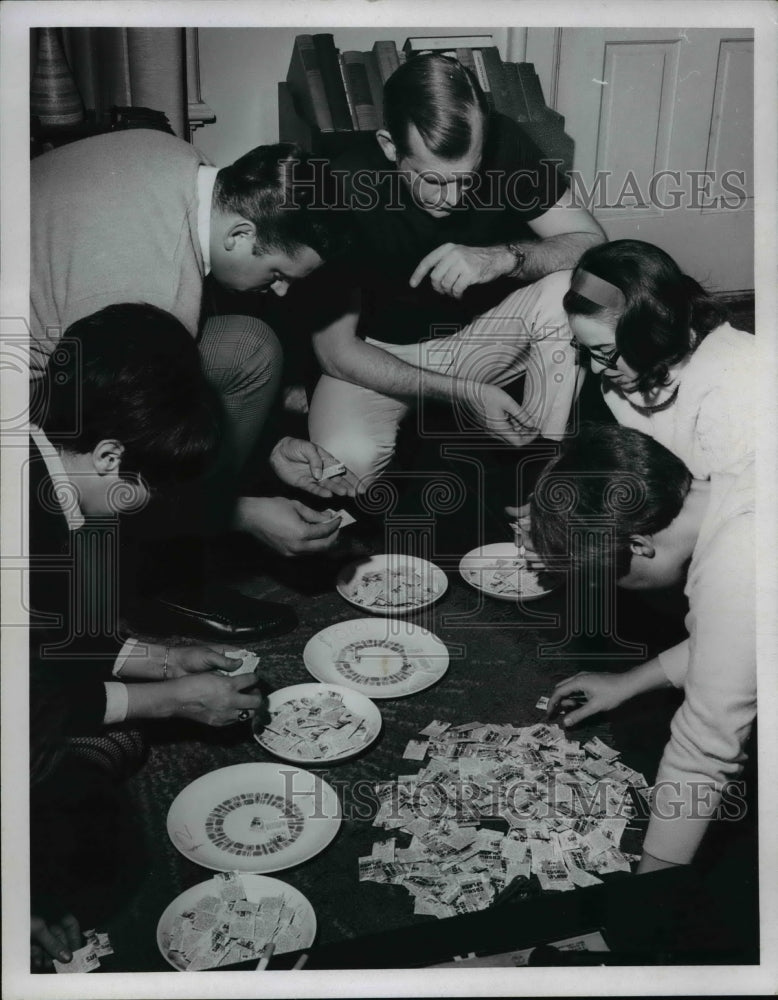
(597, 290)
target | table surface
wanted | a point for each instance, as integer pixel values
(496, 674)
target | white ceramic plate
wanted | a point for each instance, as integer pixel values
(379, 657)
(254, 818)
(256, 888)
(310, 750)
(391, 584)
(499, 571)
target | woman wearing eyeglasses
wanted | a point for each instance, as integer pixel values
(670, 363)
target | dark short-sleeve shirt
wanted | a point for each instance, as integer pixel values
(515, 185)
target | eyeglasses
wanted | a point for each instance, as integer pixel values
(585, 354)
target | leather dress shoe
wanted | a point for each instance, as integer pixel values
(215, 613)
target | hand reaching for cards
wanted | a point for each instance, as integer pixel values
(495, 411)
(300, 464)
(601, 693)
(55, 940)
(287, 526)
(146, 661)
(183, 660)
(522, 530)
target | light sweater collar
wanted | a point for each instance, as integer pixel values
(206, 178)
(64, 490)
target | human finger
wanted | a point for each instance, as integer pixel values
(517, 513)
(244, 691)
(506, 431)
(309, 515)
(70, 926)
(316, 488)
(445, 276)
(460, 286)
(427, 263)
(52, 940)
(563, 689)
(312, 454)
(577, 715)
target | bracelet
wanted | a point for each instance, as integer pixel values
(519, 257)
(164, 665)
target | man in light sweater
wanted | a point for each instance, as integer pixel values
(139, 216)
(631, 503)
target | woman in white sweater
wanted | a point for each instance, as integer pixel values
(682, 528)
(671, 365)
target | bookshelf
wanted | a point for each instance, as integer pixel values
(305, 99)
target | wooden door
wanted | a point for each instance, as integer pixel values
(662, 120)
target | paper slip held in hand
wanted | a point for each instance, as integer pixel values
(100, 942)
(345, 518)
(83, 960)
(542, 704)
(250, 661)
(333, 470)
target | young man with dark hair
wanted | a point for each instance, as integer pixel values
(458, 273)
(123, 409)
(139, 216)
(616, 496)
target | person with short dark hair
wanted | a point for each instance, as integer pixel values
(670, 363)
(123, 409)
(616, 497)
(465, 235)
(139, 216)
(131, 373)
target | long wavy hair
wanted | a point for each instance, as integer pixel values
(666, 313)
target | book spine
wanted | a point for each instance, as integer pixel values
(376, 87)
(349, 96)
(465, 56)
(444, 43)
(291, 127)
(533, 92)
(498, 84)
(483, 79)
(333, 82)
(517, 91)
(387, 57)
(355, 76)
(305, 81)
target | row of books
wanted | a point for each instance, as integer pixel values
(343, 91)
(511, 88)
(340, 91)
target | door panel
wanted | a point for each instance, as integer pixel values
(663, 125)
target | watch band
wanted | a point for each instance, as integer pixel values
(520, 257)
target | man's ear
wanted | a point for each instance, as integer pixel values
(107, 457)
(240, 230)
(642, 545)
(386, 142)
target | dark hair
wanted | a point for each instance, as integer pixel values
(607, 476)
(288, 197)
(441, 98)
(132, 373)
(663, 311)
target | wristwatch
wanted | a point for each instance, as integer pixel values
(519, 256)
